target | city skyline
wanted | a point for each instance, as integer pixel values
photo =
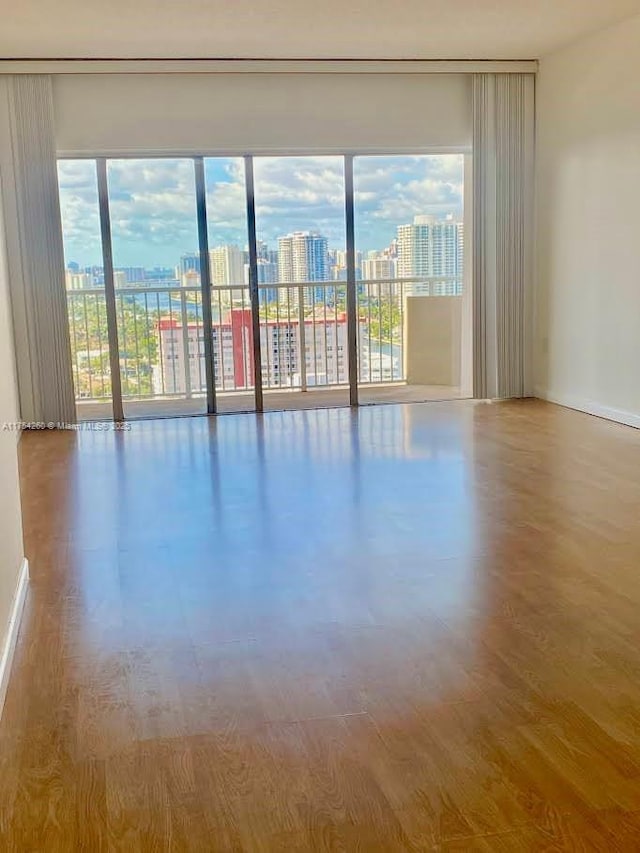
(306, 256)
(153, 203)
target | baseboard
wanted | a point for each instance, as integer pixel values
(11, 637)
(590, 407)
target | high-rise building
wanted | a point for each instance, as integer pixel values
(133, 275)
(97, 274)
(432, 248)
(190, 278)
(161, 274)
(267, 274)
(460, 229)
(378, 267)
(189, 262)
(339, 257)
(337, 268)
(302, 256)
(267, 265)
(321, 342)
(375, 267)
(264, 253)
(227, 270)
(78, 280)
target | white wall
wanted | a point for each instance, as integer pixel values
(588, 219)
(247, 112)
(11, 550)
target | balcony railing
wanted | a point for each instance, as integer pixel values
(303, 336)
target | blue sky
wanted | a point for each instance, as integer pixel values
(153, 202)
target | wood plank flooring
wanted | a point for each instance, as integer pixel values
(400, 628)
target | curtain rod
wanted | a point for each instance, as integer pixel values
(258, 66)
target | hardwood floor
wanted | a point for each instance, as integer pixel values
(401, 628)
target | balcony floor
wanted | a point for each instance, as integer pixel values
(317, 398)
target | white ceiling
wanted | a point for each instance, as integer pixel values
(394, 29)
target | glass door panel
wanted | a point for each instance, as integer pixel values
(300, 224)
(229, 270)
(409, 240)
(84, 280)
(154, 237)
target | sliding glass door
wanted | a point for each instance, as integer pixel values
(301, 271)
(230, 295)
(409, 241)
(157, 287)
(226, 284)
(85, 288)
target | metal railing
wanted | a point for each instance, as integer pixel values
(149, 365)
(381, 306)
(303, 336)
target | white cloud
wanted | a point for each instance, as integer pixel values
(299, 193)
(79, 210)
(153, 202)
(390, 191)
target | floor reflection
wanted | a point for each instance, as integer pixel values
(284, 530)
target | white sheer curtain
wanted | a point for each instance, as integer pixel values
(503, 151)
(36, 259)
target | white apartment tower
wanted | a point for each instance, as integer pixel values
(302, 256)
(432, 248)
(78, 280)
(227, 268)
(378, 267)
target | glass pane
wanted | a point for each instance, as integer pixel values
(157, 283)
(84, 278)
(412, 342)
(230, 299)
(302, 281)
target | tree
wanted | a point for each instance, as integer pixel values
(137, 341)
